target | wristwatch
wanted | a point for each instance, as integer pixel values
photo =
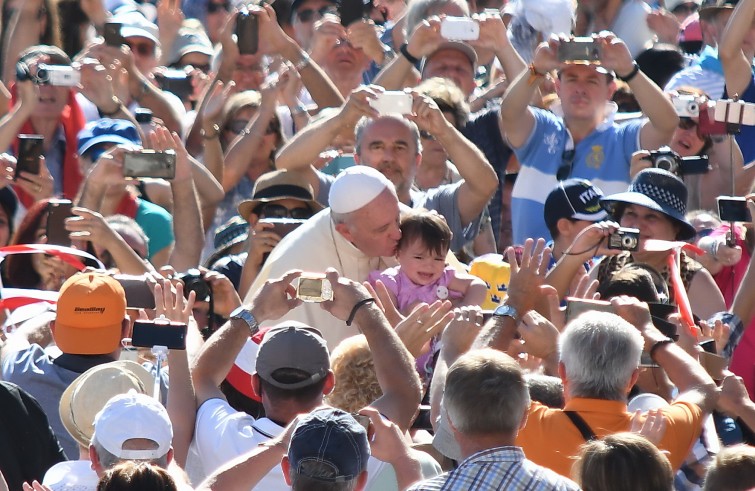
(507, 311)
(241, 313)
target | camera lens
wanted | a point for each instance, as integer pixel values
(43, 75)
(693, 108)
(666, 163)
(628, 242)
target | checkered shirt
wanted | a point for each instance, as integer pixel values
(502, 468)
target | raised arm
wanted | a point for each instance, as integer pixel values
(493, 36)
(394, 366)
(662, 118)
(317, 83)
(22, 31)
(11, 123)
(187, 219)
(219, 352)
(693, 382)
(306, 145)
(737, 68)
(480, 180)
(423, 41)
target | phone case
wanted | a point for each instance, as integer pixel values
(58, 211)
(147, 334)
(247, 33)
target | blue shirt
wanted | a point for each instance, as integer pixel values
(497, 469)
(603, 157)
(746, 136)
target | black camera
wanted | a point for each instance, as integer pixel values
(625, 239)
(194, 281)
(669, 160)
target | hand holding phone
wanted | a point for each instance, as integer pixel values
(247, 32)
(314, 288)
(112, 34)
(57, 212)
(147, 334)
(392, 102)
(579, 49)
(459, 29)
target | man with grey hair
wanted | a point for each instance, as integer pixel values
(598, 363)
(389, 141)
(486, 433)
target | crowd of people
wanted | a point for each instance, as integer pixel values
(387, 245)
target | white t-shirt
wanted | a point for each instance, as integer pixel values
(221, 434)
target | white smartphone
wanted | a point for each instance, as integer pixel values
(459, 29)
(392, 102)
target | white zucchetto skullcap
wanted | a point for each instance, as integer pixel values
(355, 187)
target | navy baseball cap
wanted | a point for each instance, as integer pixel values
(335, 440)
(575, 199)
(105, 130)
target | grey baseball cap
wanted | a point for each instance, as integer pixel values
(293, 345)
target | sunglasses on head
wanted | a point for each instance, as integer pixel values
(213, 8)
(280, 211)
(142, 49)
(307, 15)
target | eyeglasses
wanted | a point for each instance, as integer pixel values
(280, 211)
(213, 8)
(142, 49)
(307, 15)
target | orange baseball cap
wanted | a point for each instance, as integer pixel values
(91, 309)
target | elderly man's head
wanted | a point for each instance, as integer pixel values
(600, 355)
(391, 145)
(365, 210)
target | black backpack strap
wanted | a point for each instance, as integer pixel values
(581, 425)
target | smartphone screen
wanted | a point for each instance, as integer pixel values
(57, 212)
(149, 163)
(29, 152)
(147, 334)
(733, 209)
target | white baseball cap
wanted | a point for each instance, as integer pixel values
(130, 416)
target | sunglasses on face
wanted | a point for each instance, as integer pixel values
(202, 68)
(142, 49)
(213, 8)
(308, 15)
(280, 211)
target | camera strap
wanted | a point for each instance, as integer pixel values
(581, 425)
